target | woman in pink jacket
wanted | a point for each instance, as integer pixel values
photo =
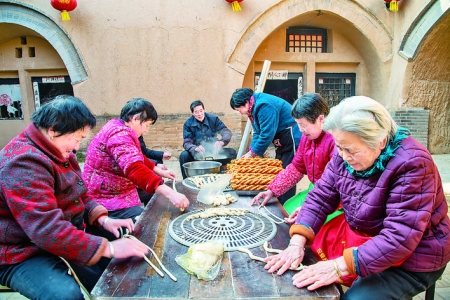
(115, 165)
(315, 150)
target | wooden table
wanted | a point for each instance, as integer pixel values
(239, 276)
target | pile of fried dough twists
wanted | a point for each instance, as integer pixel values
(253, 174)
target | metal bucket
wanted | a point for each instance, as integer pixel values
(196, 168)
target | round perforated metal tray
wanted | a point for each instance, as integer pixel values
(248, 231)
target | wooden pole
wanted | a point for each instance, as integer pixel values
(259, 89)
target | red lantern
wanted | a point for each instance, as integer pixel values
(64, 6)
(392, 5)
(235, 4)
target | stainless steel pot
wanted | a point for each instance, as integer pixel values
(222, 159)
(203, 167)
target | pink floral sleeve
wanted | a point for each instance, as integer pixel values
(285, 180)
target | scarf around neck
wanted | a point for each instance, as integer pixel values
(251, 103)
(386, 154)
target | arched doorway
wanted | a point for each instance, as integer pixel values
(39, 61)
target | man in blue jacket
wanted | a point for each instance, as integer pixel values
(272, 122)
(200, 133)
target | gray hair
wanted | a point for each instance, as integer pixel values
(364, 117)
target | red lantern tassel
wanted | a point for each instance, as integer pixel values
(393, 6)
(65, 15)
(235, 6)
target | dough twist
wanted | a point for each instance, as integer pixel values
(253, 174)
(244, 187)
(251, 179)
(257, 169)
(257, 161)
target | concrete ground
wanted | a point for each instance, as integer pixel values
(442, 286)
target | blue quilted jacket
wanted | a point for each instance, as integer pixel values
(271, 115)
(403, 208)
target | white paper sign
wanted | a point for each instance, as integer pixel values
(53, 79)
(278, 75)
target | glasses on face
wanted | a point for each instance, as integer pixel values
(302, 126)
(77, 140)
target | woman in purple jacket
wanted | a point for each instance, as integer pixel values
(395, 232)
(44, 208)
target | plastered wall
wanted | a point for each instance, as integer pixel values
(173, 52)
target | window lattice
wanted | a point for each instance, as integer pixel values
(306, 40)
(335, 87)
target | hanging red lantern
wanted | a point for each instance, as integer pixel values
(64, 6)
(235, 4)
(392, 5)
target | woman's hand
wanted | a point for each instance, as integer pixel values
(167, 156)
(165, 173)
(177, 199)
(168, 174)
(124, 248)
(291, 219)
(247, 155)
(290, 258)
(162, 166)
(266, 196)
(320, 274)
(113, 225)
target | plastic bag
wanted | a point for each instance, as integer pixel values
(209, 191)
(203, 260)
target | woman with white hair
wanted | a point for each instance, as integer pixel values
(394, 235)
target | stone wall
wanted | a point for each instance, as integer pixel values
(416, 120)
(429, 85)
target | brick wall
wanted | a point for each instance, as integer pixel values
(167, 133)
(416, 120)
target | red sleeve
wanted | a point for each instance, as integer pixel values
(149, 163)
(143, 177)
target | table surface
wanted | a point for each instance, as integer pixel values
(239, 276)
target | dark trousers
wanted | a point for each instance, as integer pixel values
(125, 213)
(144, 196)
(393, 283)
(185, 157)
(45, 276)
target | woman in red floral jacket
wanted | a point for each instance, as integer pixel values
(44, 207)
